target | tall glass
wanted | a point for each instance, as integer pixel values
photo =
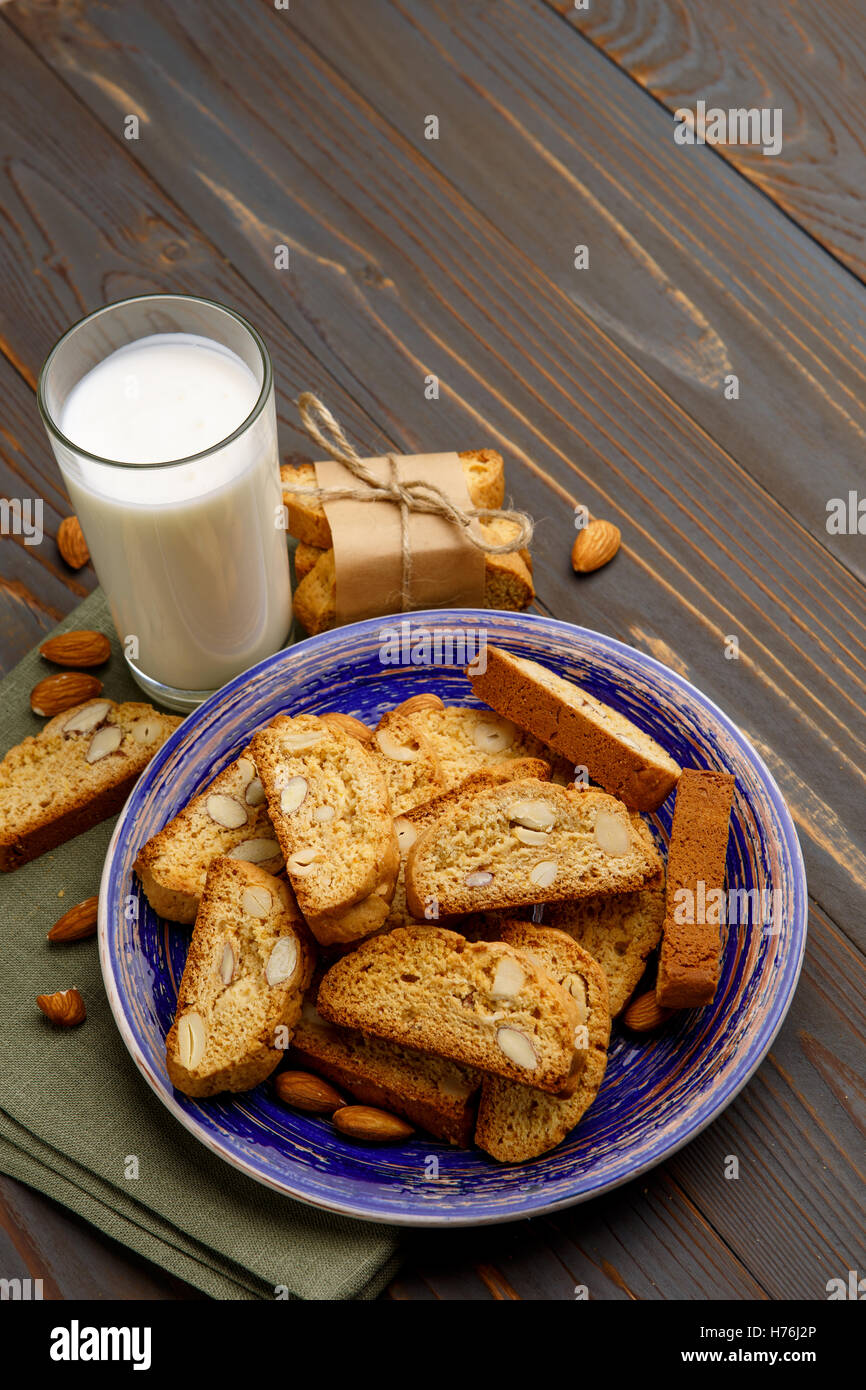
(190, 551)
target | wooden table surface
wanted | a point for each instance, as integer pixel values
(305, 127)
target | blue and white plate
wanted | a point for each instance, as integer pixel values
(657, 1094)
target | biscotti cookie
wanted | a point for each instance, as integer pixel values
(690, 959)
(485, 1005)
(515, 1121)
(407, 761)
(507, 585)
(527, 842)
(619, 930)
(482, 471)
(329, 806)
(248, 967)
(465, 739)
(617, 754)
(410, 824)
(78, 770)
(230, 817)
(432, 1092)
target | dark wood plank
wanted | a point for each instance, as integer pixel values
(39, 1240)
(807, 60)
(692, 274)
(796, 1212)
(644, 1241)
(36, 587)
(435, 282)
(410, 278)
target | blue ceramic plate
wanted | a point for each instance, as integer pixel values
(657, 1094)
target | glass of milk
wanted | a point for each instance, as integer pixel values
(161, 414)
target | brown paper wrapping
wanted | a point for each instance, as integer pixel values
(446, 570)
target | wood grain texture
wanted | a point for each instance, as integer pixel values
(39, 1240)
(454, 257)
(404, 271)
(807, 60)
(36, 587)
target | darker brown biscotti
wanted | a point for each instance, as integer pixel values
(621, 757)
(690, 959)
(431, 1092)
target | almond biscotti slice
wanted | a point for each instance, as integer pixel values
(409, 825)
(329, 806)
(230, 817)
(248, 967)
(527, 842)
(626, 761)
(407, 761)
(483, 1004)
(466, 740)
(515, 1121)
(432, 1092)
(78, 770)
(619, 930)
(482, 470)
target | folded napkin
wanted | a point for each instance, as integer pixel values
(74, 1109)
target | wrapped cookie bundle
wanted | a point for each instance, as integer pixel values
(400, 533)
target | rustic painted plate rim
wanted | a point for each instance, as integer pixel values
(711, 1105)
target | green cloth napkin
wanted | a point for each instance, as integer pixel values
(73, 1106)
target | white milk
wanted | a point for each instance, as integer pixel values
(190, 556)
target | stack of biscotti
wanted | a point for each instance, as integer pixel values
(521, 1026)
(432, 1092)
(486, 1005)
(249, 964)
(508, 577)
(78, 770)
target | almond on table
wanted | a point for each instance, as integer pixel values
(80, 648)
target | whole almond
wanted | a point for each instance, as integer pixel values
(71, 543)
(76, 924)
(372, 1125)
(426, 700)
(595, 545)
(63, 690)
(303, 1091)
(349, 724)
(644, 1015)
(82, 648)
(65, 1008)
